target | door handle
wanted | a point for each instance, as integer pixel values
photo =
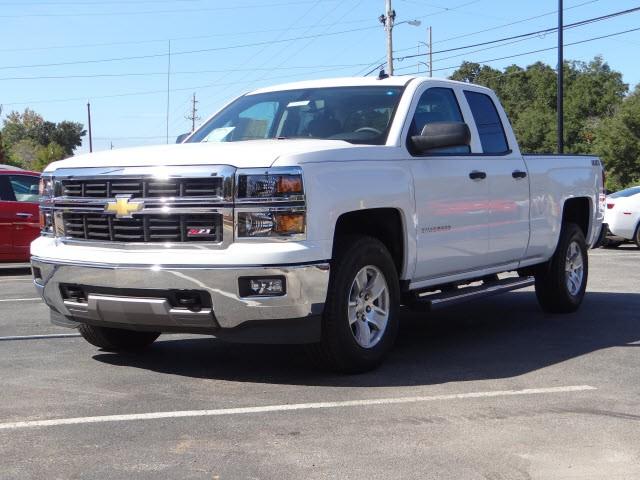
(477, 175)
(518, 174)
(24, 215)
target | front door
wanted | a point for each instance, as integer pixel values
(451, 194)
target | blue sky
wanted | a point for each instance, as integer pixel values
(223, 49)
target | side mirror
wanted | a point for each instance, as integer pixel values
(181, 138)
(441, 135)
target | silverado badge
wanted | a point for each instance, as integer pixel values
(123, 206)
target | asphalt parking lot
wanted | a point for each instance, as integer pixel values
(491, 390)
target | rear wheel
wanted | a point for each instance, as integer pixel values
(360, 321)
(561, 282)
(636, 237)
(117, 339)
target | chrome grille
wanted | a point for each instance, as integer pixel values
(149, 187)
(184, 227)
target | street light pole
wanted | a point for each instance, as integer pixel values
(560, 98)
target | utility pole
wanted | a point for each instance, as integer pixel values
(89, 123)
(560, 78)
(430, 51)
(168, 85)
(387, 20)
(194, 113)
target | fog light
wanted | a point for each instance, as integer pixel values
(262, 286)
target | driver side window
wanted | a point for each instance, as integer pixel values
(437, 105)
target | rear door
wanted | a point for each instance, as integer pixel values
(25, 211)
(507, 179)
(6, 218)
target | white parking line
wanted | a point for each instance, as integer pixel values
(33, 299)
(38, 337)
(286, 408)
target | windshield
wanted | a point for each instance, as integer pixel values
(353, 114)
(629, 192)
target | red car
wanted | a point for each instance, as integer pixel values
(19, 214)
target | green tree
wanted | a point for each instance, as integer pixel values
(68, 135)
(45, 155)
(592, 93)
(29, 125)
(24, 153)
(617, 142)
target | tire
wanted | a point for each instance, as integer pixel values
(117, 339)
(555, 292)
(636, 237)
(355, 336)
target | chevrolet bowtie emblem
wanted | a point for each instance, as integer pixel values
(124, 207)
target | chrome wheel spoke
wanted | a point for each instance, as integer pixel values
(378, 318)
(378, 287)
(368, 306)
(363, 334)
(361, 280)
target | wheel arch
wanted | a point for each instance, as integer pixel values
(385, 224)
(578, 210)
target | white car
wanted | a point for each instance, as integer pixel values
(623, 217)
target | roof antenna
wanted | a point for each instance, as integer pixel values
(382, 75)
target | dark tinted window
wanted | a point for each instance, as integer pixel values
(6, 193)
(437, 105)
(488, 123)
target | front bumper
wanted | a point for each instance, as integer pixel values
(131, 296)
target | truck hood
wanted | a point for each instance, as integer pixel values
(254, 153)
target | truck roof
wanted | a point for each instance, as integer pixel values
(393, 81)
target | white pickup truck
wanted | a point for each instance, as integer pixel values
(309, 213)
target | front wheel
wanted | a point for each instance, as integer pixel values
(117, 339)
(562, 282)
(360, 321)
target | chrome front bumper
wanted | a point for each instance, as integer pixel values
(301, 306)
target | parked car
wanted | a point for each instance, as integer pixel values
(19, 213)
(622, 217)
(308, 213)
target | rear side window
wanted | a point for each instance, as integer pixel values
(25, 188)
(490, 128)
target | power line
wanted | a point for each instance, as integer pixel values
(377, 65)
(154, 92)
(530, 34)
(235, 33)
(188, 52)
(516, 22)
(156, 12)
(601, 37)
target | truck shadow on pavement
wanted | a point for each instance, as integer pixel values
(496, 338)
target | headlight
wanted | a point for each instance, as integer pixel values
(271, 185)
(289, 223)
(271, 204)
(46, 192)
